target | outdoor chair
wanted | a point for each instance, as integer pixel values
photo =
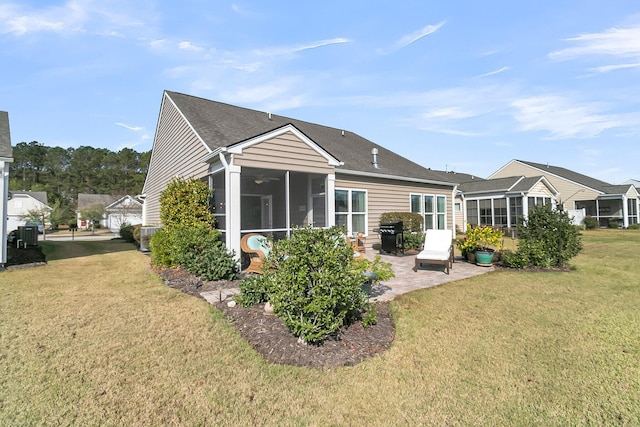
(257, 247)
(438, 249)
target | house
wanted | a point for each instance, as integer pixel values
(499, 202)
(6, 157)
(21, 203)
(90, 202)
(599, 199)
(269, 173)
(125, 210)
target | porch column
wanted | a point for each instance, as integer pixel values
(508, 211)
(4, 194)
(525, 207)
(625, 212)
(232, 196)
(331, 199)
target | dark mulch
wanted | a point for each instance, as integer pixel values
(271, 338)
(24, 257)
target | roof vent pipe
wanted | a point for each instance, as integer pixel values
(269, 115)
(374, 154)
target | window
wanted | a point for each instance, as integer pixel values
(432, 208)
(351, 210)
(500, 212)
(515, 209)
(485, 212)
(632, 211)
(472, 212)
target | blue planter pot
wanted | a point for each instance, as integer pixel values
(484, 257)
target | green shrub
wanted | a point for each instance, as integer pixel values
(614, 224)
(136, 234)
(160, 246)
(634, 227)
(413, 240)
(515, 259)
(185, 202)
(126, 232)
(196, 248)
(546, 238)
(411, 221)
(315, 287)
(591, 223)
(253, 290)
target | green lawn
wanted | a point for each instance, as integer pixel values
(95, 338)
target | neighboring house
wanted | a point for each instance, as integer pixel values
(127, 210)
(269, 173)
(23, 202)
(459, 206)
(89, 201)
(499, 202)
(6, 157)
(599, 199)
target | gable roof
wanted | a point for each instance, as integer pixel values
(5, 136)
(511, 184)
(221, 125)
(125, 202)
(40, 196)
(570, 175)
(88, 200)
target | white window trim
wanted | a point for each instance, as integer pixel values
(350, 212)
(435, 212)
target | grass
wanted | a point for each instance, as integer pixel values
(95, 338)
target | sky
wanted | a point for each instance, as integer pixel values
(453, 85)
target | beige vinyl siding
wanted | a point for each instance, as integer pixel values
(568, 191)
(391, 196)
(177, 151)
(285, 152)
(540, 190)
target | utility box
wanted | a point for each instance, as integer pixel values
(27, 236)
(145, 237)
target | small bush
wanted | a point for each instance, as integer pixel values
(411, 221)
(126, 232)
(136, 234)
(634, 227)
(253, 290)
(315, 287)
(413, 240)
(614, 224)
(591, 223)
(514, 259)
(160, 246)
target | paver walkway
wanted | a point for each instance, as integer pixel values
(406, 280)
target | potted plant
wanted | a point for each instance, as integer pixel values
(484, 240)
(467, 248)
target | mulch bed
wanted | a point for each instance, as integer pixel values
(271, 338)
(30, 256)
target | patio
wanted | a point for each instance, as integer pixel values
(407, 280)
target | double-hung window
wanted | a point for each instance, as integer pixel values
(351, 210)
(432, 208)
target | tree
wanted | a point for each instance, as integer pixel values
(93, 214)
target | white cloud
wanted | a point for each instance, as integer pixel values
(126, 126)
(618, 42)
(286, 50)
(563, 118)
(493, 73)
(187, 45)
(608, 68)
(417, 35)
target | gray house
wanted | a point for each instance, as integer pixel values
(599, 199)
(6, 153)
(270, 173)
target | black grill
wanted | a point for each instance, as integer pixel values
(391, 237)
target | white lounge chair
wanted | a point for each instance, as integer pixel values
(438, 249)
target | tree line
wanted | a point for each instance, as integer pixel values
(64, 172)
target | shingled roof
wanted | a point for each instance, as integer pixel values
(578, 178)
(86, 201)
(221, 125)
(40, 196)
(5, 136)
